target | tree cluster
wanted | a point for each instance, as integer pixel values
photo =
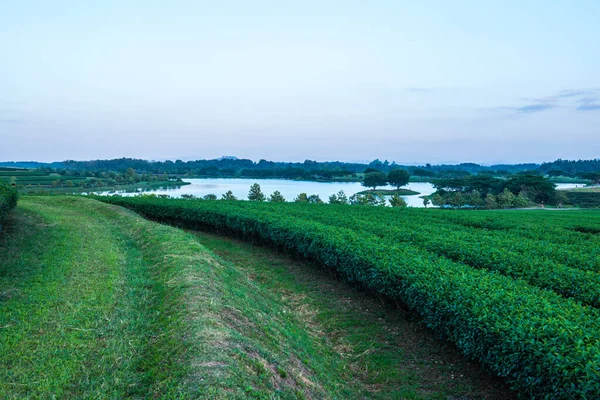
(481, 191)
(396, 178)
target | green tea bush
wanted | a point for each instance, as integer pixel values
(8, 199)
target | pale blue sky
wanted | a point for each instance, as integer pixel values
(429, 81)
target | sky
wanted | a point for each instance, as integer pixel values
(408, 81)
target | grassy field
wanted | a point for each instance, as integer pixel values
(593, 189)
(96, 302)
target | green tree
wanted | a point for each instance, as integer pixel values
(314, 199)
(255, 194)
(210, 196)
(456, 199)
(560, 198)
(474, 199)
(437, 200)
(490, 202)
(276, 197)
(398, 178)
(339, 198)
(397, 201)
(131, 172)
(506, 199)
(228, 196)
(521, 200)
(426, 201)
(374, 179)
(592, 176)
(358, 200)
(301, 198)
(538, 188)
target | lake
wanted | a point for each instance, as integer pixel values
(289, 189)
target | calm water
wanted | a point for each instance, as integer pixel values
(289, 189)
(566, 186)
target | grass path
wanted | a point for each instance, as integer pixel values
(389, 355)
(96, 302)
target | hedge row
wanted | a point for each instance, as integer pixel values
(546, 346)
(8, 200)
(496, 251)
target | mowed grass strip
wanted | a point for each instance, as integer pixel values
(80, 306)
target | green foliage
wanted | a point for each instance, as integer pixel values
(374, 179)
(228, 196)
(339, 198)
(301, 198)
(505, 199)
(534, 187)
(398, 177)
(515, 290)
(314, 199)
(276, 197)
(474, 199)
(367, 200)
(521, 201)
(437, 200)
(8, 199)
(583, 198)
(426, 201)
(397, 201)
(210, 196)
(255, 194)
(538, 188)
(491, 202)
(594, 177)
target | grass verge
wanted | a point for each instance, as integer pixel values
(381, 353)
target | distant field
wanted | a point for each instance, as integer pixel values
(33, 177)
(518, 290)
(584, 197)
(593, 189)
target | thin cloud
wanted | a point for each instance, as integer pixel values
(588, 104)
(582, 99)
(420, 90)
(589, 107)
(533, 108)
(12, 121)
(576, 93)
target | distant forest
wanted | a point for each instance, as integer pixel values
(234, 167)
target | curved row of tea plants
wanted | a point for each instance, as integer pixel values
(8, 200)
(546, 346)
(495, 251)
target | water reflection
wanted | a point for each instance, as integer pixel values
(289, 189)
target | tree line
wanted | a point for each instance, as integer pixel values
(485, 191)
(309, 169)
(256, 194)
